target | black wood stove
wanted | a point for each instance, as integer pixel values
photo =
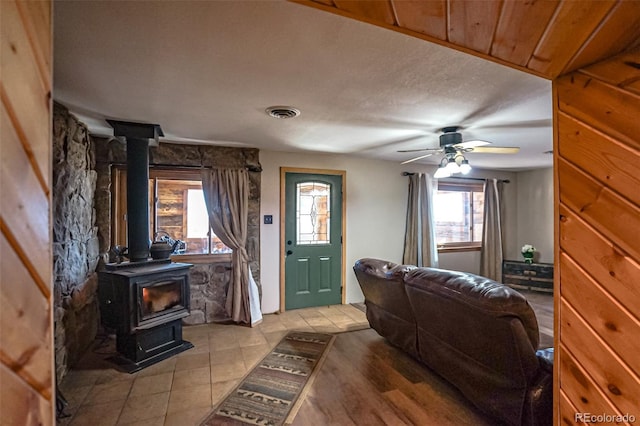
(144, 304)
(143, 300)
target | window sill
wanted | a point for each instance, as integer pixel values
(202, 258)
(458, 249)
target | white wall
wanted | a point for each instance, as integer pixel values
(466, 261)
(376, 196)
(535, 213)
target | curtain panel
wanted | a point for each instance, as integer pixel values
(491, 253)
(226, 194)
(420, 239)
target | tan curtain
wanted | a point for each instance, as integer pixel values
(226, 194)
(419, 240)
(491, 252)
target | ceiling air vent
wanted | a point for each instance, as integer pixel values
(282, 112)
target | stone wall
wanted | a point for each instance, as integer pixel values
(208, 281)
(75, 242)
(82, 229)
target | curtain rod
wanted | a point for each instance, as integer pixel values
(249, 168)
(460, 177)
(175, 166)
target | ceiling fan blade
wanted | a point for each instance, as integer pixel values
(495, 150)
(417, 158)
(471, 144)
(418, 150)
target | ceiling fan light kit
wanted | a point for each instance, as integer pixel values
(442, 172)
(453, 147)
(451, 165)
(465, 167)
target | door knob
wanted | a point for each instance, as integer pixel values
(289, 252)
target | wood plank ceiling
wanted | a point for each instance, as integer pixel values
(546, 38)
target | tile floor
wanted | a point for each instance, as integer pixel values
(183, 389)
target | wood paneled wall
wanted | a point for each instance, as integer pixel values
(598, 255)
(26, 342)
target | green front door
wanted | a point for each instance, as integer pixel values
(313, 240)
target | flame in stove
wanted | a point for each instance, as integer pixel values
(156, 299)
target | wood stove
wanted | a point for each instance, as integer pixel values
(144, 303)
(143, 300)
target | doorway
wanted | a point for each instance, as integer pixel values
(312, 244)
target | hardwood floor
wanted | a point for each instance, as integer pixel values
(542, 304)
(366, 381)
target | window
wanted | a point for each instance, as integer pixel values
(197, 216)
(176, 209)
(459, 212)
(313, 213)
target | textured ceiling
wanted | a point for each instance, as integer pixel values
(206, 71)
(547, 38)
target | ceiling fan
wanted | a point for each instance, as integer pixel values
(452, 146)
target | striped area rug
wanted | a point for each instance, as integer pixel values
(270, 394)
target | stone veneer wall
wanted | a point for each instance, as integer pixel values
(208, 281)
(75, 242)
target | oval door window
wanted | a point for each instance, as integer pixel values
(313, 213)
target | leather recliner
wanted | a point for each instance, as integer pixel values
(480, 335)
(387, 304)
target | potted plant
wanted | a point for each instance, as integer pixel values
(527, 252)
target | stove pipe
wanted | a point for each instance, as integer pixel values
(139, 136)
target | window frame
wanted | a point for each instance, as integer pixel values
(470, 186)
(119, 207)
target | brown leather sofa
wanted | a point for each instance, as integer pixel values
(480, 335)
